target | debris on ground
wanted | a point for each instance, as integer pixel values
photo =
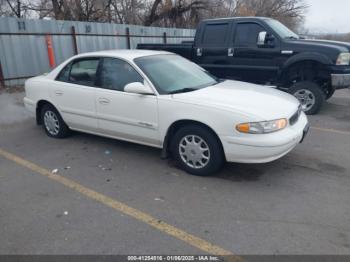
(67, 168)
(161, 199)
(54, 171)
(105, 168)
(65, 213)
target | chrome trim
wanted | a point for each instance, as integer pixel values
(341, 80)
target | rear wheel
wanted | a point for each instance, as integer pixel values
(310, 96)
(53, 123)
(197, 150)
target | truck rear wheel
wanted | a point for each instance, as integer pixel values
(310, 95)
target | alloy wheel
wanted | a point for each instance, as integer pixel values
(306, 98)
(194, 151)
(51, 122)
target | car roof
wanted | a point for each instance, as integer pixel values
(237, 18)
(123, 53)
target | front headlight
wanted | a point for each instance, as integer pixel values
(262, 127)
(343, 59)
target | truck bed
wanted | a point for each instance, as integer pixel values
(184, 49)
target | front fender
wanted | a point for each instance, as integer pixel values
(221, 121)
(300, 58)
(309, 56)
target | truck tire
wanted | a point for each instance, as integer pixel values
(310, 96)
(330, 93)
(197, 150)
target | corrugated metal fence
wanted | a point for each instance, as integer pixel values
(24, 43)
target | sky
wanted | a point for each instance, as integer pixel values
(328, 16)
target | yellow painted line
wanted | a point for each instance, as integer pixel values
(331, 130)
(119, 206)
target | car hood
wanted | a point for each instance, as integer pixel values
(263, 103)
(336, 45)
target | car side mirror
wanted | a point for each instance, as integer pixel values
(138, 88)
(262, 38)
(266, 40)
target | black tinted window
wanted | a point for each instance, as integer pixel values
(215, 34)
(247, 34)
(116, 74)
(64, 74)
(83, 72)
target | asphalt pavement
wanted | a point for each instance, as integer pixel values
(299, 204)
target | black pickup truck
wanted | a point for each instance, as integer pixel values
(264, 51)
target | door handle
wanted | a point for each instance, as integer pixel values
(104, 101)
(58, 93)
(199, 51)
(230, 51)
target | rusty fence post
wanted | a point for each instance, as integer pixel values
(128, 42)
(2, 79)
(164, 38)
(74, 38)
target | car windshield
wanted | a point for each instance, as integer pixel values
(172, 74)
(281, 29)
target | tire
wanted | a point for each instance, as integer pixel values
(310, 96)
(206, 151)
(330, 93)
(53, 123)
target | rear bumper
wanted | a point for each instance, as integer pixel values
(265, 148)
(29, 105)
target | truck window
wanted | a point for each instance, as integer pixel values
(247, 34)
(215, 34)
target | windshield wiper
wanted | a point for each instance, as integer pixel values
(183, 90)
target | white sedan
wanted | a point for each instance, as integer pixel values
(163, 100)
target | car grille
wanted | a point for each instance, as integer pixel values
(295, 117)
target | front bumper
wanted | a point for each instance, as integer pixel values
(341, 80)
(265, 148)
(340, 76)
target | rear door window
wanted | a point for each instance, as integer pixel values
(64, 74)
(215, 34)
(84, 72)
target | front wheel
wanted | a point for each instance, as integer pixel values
(310, 96)
(197, 150)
